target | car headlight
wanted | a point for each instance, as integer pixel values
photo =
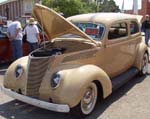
(55, 80)
(18, 71)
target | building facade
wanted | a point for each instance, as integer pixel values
(145, 8)
(12, 9)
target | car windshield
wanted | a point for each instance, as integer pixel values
(95, 31)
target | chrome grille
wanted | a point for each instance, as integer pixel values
(36, 71)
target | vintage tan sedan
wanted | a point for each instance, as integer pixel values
(87, 56)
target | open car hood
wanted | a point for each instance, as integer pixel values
(55, 25)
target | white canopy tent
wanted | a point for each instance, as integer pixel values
(5, 1)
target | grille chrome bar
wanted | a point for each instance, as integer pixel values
(36, 71)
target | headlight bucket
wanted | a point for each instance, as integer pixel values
(55, 80)
(18, 71)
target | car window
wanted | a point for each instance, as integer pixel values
(95, 31)
(134, 28)
(117, 31)
(3, 31)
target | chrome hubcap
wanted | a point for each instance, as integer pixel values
(89, 99)
(145, 64)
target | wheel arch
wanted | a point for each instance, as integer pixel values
(100, 89)
(139, 57)
(100, 78)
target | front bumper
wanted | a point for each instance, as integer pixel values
(36, 102)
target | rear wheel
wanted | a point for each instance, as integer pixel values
(88, 101)
(144, 64)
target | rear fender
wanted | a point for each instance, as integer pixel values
(139, 57)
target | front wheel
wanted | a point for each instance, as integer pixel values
(88, 101)
(144, 67)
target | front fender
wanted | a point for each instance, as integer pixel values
(10, 80)
(76, 80)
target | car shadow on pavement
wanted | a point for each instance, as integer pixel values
(19, 110)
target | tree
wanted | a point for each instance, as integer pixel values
(67, 7)
(88, 7)
(47, 3)
(73, 7)
(108, 6)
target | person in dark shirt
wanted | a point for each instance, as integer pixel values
(146, 28)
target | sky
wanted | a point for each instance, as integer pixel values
(127, 4)
(2, 1)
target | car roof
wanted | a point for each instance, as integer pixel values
(101, 17)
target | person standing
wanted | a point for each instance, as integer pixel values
(146, 28)
(32, 34)
(14, 33)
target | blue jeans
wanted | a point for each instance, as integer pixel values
(32, 46)
(147, 36)
(16, 49)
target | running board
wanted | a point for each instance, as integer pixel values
(118, 81)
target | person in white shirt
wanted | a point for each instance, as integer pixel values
(32, 35)
(14, 33)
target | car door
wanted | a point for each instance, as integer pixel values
(120, 49)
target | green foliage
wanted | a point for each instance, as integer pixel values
(68, 7)
(108, 6)
(47, 3)
(88, 7)
(73, 7)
